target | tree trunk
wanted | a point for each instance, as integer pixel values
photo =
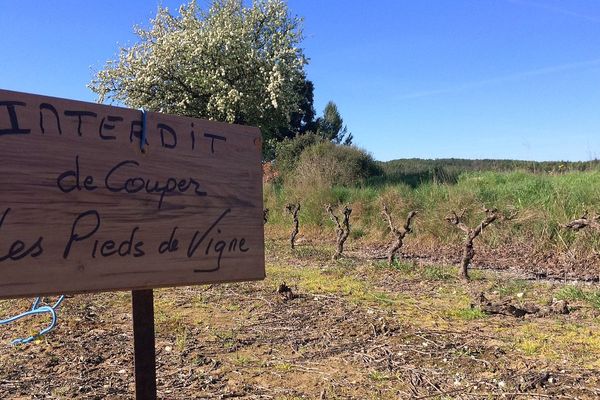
(393, 249)
(468, 254)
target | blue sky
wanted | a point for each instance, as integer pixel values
(422, 78)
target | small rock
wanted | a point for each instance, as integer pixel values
(168, 349)
(520, 295)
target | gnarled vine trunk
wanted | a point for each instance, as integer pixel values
(342, 229)
(399, 234)
(294, 209)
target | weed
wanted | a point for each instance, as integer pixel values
(241, 360)
(531, 346)
(512, 287)
(477, 275)
(384, 298)
(594, 299)
(284, 367)
(402, 266)
(232, 307)
(335, 280)
(181, 339)
(311, 252)
(166, 320)
(226, 337)
(571, 293)
(378, 376)
(466, 313)
(437, 273)
(357, 233)
(61, 392)
(575, 293)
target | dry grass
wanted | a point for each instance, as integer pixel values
(357, 329)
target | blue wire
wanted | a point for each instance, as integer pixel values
(35, 310)
(36, 303)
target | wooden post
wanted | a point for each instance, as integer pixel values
(143, 343)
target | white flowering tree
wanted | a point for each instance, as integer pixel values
(229, 63)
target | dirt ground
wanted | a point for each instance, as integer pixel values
(519, 258)
(351, 329)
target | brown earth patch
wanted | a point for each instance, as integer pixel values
(352, 330)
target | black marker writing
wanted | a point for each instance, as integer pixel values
(170, 245)
(87, 224)
(109, 247)
(166, 128)
(136, 131)
(137, 183)
(66, 187)
(14, 121)
(104, 126)
(215, 245)
(196, 242)
(18, 250)
(50, 107)
(193, 135)
(76, 236)
(80, 115)
(213, 137)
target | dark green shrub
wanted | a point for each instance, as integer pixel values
(325, 165)
(288, 151)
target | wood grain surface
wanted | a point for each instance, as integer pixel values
(83, 208)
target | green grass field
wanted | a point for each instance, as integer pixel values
(538, 202)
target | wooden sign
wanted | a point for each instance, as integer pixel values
(83, 208)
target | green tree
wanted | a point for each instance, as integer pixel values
(229, 63)
(303, 120)
(331, 126)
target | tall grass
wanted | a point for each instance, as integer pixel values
(541, 202)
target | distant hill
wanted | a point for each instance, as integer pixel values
(414, 171)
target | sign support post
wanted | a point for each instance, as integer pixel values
(144, 344)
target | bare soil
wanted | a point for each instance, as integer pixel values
(346, 329)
